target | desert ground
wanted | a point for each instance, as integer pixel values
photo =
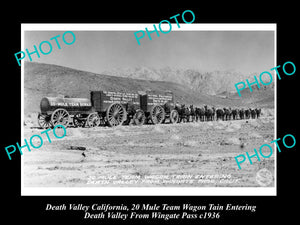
(197, 154)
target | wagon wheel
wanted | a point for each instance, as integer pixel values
(174, 116)
(44, 121)
(115, 115)
(60, 117)
(78, 120)
(93, 120)
(139, 117)
(157, 114)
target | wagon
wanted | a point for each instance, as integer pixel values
(111, 107)
(159, 107)
(104, 107)
(57, 110)
(117, 108)
(108, 107)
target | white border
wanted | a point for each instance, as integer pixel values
(146, 191)
(150, 191)
(142, 26)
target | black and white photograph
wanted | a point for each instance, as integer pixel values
(148, 113)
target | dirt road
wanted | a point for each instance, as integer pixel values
(192, 154)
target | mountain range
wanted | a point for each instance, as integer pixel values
(188, 85)
(209, 83)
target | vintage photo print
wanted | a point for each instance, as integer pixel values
(109, 111)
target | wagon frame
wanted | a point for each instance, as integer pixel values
(108, 107)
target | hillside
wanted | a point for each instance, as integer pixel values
(263, 96)
(51, 80)
(210, 83)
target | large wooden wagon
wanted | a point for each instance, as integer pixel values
(159, 107)
(111, 107)
(104, 107)
(108, 107)
(57, 110)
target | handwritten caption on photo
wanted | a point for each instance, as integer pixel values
(174, 179)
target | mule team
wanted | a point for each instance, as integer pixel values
(192, 113)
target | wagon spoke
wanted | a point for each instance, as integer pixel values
(139, 117)
(44, 121)
(60, 117)
(116, 114)
(174, 116)
(93, 120)
(157, 114)
(113, 121)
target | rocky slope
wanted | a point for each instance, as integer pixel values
(189, 86)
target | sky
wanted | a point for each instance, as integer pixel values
(97, 51)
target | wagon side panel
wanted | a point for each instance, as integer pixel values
(144, 103)
(97, 101)
(160, 99)
(103, 99)
(73, 105)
